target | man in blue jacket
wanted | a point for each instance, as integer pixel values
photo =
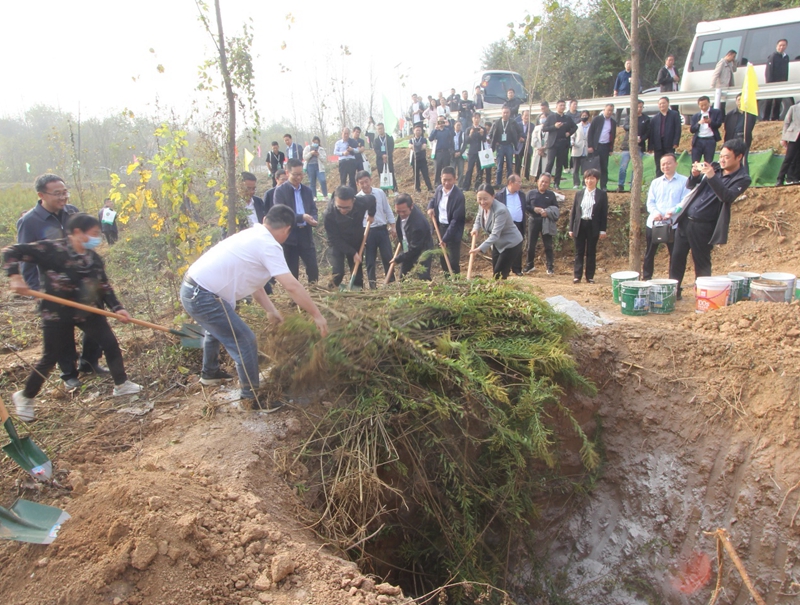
(300, 243)
(622, 88)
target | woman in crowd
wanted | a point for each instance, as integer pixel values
(431, 115)
(72, 270)
(504, 238)
(539, 144)
(370, 131)
(587, 224)
(580, 148)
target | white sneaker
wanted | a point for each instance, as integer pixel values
(127, 388)
(24, 406)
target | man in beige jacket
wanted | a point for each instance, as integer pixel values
(723, 78)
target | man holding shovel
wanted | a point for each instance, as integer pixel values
(235, 268)
(72, 270)
(344, 224)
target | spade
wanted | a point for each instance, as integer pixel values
(24, 451)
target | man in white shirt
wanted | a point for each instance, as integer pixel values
(666, 192)
(514, 199)
(448, 210)
(378, 238)
(235, 268)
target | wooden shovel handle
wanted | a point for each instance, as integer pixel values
(82, 307)
(472, 256)
(390, 272)
(361, 251)
(439, 235)
(3, 412)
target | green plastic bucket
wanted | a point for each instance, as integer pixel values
(618, 278)
(635, 297)
(737, 287)
(748, 276)
(663, 293)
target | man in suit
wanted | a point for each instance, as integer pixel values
(345, 221)
(559, 128)
(476, 136)
(447, 209)
(414, 233)
(443, 135)
(459, 146)
(247, 191)
(503, 138)
(601, 137)
(777, 70)
(739, 125)
(705, 215)
(269, 195)
(512, 198)
(300, 243)
(665, 132)
(275, 159)
(705, 128)
(384, 152)
(293, 150)
(525, 133)
(625, 157)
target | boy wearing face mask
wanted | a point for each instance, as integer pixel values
(74, 271)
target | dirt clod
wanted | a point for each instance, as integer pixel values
(282, 565)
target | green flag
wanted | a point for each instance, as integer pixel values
(389, 119)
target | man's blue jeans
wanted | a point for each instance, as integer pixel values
(223, 326)
(623, 167)
(505, 153)
(315, 175)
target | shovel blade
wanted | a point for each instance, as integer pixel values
(28, 455)
(192, 336)
(31, 522)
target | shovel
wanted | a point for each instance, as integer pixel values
(472, 256)
(24, 451)
(358, 264)
(390, 272)
(31, 522)
(441, 244)
(189, 338)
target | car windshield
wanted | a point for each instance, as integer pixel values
(498, 85)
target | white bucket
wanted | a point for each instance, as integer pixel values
(711, 293)
(786, 278)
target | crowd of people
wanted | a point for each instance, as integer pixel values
(56, 243)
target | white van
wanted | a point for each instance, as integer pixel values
(753, 37)
(495, 84)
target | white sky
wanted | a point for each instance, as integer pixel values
(85, 53)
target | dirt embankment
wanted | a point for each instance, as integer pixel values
(699, 418)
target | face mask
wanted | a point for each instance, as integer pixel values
(92, 243)
(585, 119)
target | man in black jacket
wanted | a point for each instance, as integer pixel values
(705, 128)
(300, 243)
(739, 125)
(503, 138)
(465, 110)
(269, 195)
(625, 157)
(601, 135)
(418, 150)
(777, 70)
(414, 233)
(384, 152)
(559, 128)
(668, 78)
(275, 159)
(344, 220)
(476, 136)
(705, 214)
(448, 210)
(512, 102)
(443, 135)
(525, 132)
(665, 132)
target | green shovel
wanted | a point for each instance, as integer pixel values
(28, 521)
(24, 451)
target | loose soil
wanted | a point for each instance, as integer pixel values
(191, 502)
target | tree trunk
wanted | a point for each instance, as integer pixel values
(230, 141)
(635, 241)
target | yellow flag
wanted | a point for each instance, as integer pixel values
(749, 90)
(248, 158)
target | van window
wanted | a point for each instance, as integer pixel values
(714, 47)
(498, 85)
(761, 42)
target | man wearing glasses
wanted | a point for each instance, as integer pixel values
(344, 225)
(47, 220)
